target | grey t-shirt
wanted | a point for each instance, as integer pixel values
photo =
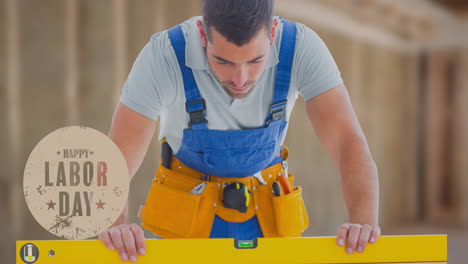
(154, 86)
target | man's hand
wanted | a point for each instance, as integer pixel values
(132, 133)
(356, 236)
(127, 239)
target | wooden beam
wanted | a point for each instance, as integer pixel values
(15, 113)
(454, 5)
(408, 26)
(71, 62)
(330, 18)
(160, 15)
(120, 20)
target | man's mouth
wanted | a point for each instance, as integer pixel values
(240, 90)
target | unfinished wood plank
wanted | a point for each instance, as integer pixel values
(15, 111)
(120, 37)
(160, 15)
(71, 63)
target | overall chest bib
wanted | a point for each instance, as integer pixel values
(234, 153)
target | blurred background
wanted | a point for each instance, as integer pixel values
(404, 63)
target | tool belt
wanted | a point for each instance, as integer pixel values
(172, 211)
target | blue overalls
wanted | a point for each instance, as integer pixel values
(234, 153)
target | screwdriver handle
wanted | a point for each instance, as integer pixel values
(285, 184)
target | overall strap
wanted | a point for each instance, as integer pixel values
(194, 103)
(283, 73)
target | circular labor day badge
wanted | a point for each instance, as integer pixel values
(76, 182)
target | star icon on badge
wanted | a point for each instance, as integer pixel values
(51, 205)
(100, 205)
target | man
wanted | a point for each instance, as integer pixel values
(224, 86)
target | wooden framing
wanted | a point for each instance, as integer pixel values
(71, 62)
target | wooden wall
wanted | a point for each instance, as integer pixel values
(446, 156)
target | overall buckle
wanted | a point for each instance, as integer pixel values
(278, 111)
(197, 115)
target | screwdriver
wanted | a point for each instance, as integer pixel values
(276, 189)
(285, 184)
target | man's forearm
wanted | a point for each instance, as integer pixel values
(359, 182)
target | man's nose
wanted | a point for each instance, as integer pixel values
(240, 76)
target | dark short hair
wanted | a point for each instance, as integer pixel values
(237, 20)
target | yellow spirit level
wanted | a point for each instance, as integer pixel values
(388, 249)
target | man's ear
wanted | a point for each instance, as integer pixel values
(273, 31)
(202, 33)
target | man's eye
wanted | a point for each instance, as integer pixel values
(222, 62)
(257, 61)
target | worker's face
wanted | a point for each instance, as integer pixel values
(236, 68)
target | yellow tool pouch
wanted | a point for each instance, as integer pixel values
(281, 216)
(171, 211)
(290, 214)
